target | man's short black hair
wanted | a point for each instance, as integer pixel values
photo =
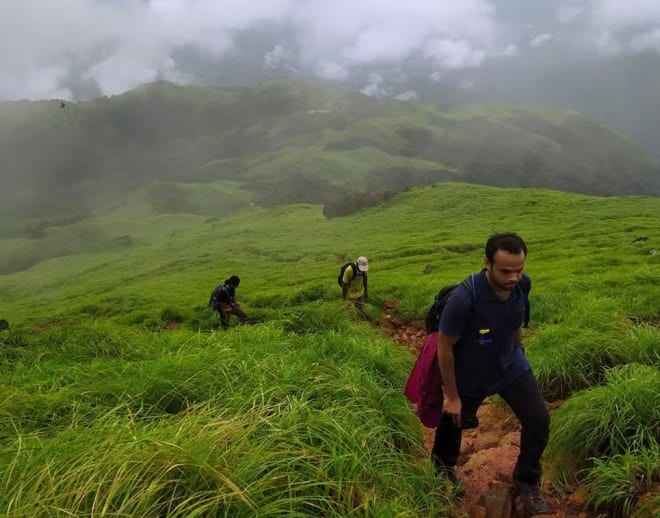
(509, 242)
(233, 281)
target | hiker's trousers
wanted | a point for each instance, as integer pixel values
(525, 399)
(226, 310)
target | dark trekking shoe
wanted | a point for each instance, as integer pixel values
(532, 498)
(458, 486)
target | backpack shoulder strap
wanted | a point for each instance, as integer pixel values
(525, 285)
(469, 285)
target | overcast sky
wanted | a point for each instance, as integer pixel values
(60, 48)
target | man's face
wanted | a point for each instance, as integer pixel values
(506, 269)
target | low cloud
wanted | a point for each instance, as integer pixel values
(454, 54)
(331, 71)
(613, 26)
(540, 40)
(116, 45)
(408, 95)
(121, 44)
(376, 87)
(275, 58)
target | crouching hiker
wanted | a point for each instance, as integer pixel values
(223, 300)
(480, 354)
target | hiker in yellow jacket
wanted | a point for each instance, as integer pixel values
(354, 282)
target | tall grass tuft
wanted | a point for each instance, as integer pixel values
(575, 354)
(316, 317)
(284, 460)
(616, 484)
(621, 416)
(567, 359)
(643, 344)
(256, 421)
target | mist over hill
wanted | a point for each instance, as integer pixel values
(617, 91)
(598, 57)
(291, 142)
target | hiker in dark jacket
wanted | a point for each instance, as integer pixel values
(480, 354)
(223, 300)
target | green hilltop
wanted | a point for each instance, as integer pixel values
(287, 143)
(121, 398)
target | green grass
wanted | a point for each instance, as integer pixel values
(606, 421)
(618, 483)
(120, 398)
(270, 424)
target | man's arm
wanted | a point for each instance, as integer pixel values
(364, 281)
(346, 282)
(452, 401)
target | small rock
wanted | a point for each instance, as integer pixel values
(554, 405)
(467, 445)
(487, 440)
(580, 496)
(495, 417)
(510, 439)
(519, 507)
(487, 465)
(497, 502)
(477, 511)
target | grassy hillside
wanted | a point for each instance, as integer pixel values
(120, 398)
(288, 143)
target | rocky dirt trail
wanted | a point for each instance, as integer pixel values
(489, 453)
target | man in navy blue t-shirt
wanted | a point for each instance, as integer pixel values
(480, 354)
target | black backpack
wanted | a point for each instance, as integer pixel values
(432, 319)
(340, 278)
(214, 299)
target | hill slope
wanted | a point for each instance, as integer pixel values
(297, 142)
(118, 393)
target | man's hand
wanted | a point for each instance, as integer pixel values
(452, 407)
